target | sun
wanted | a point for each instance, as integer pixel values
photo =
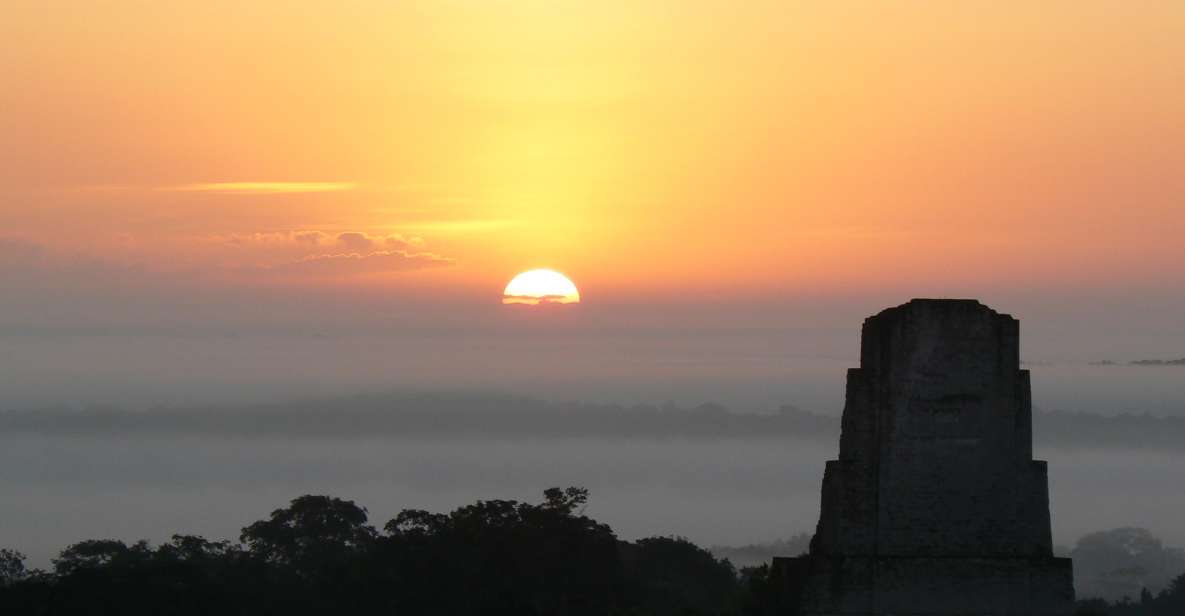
(540, 286)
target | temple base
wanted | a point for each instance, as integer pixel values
(923, 586)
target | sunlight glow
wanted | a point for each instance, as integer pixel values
(264, 188)
(540, 286)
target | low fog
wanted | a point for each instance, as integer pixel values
(137, 417)
(717, 477)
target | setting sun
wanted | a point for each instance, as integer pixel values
(540, 286)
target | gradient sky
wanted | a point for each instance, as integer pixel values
(386, 167)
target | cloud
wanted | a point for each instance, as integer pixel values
(354, 263)
(539, 300)
(263, 188)
(359, 242)
(400, 242)
(305, 241)
(308, 237)
(256, 239)
(355, 241)
(315, 253)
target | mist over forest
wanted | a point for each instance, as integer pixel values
(744, 485)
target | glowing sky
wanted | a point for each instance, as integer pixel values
(674, 152)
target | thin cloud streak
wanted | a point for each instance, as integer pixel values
(462, 226)
(263, 188)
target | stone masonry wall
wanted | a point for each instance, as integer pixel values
(935, 498)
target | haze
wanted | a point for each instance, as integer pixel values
(221, 204)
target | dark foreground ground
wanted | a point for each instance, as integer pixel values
(320, 555)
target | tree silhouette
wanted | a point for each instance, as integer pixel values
(318, 555)
(564, 501)
(12, 567)
(94, 553)
(671, 575)
(311, 533)
(505, 555)
(192, 548)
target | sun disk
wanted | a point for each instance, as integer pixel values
(540, 286)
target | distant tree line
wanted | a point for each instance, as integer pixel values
(1168, 602)
(460, 415)
(320, 555)
(756, 554)
(1142, 362)
(434, 414)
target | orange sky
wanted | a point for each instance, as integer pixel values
(764, 148)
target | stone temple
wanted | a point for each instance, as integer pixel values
(935, 505)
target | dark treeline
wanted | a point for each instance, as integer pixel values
(320, 555)
(1169, 602)
(455, 414)
(1121, 566)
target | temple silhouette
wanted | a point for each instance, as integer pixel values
(935, 505)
